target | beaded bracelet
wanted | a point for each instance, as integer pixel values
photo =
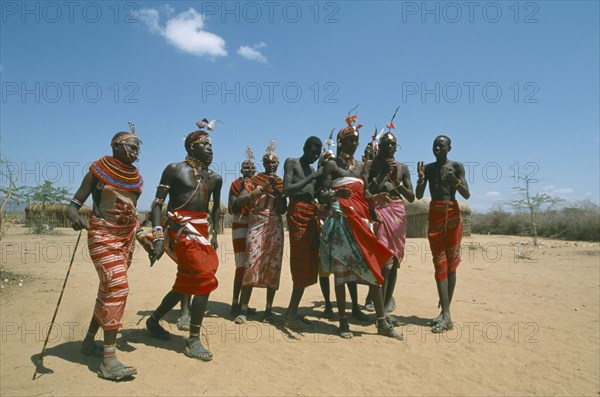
(157, 234)
(140, 235)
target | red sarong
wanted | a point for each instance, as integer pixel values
(264, 244)
(111, 248)
(304, 228)
(356, 210)
(444, 234)
(239, 233)
(239, 226)
(196, 259)
(391, 228)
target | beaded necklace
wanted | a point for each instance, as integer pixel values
(348, 160)
(113, 172)
(195, 164)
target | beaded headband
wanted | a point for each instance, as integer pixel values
(351, 129)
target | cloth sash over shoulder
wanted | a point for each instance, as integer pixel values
(358, 249)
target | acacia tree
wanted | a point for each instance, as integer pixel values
(532, 203)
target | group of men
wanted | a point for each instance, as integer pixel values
(345, 218)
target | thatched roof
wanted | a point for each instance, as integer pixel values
(35, 208)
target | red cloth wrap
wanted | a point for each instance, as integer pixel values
(444, 234)
(356, 210)
(305, 231)
(197, 262)
(111, 249)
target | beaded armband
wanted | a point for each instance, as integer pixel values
(157, 201)
(157, 234)
(140, 235)
(76, 202)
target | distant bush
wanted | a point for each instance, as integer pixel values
(577, 222)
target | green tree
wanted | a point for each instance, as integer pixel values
(532, 203)
(45, 194)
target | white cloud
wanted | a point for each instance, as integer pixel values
(185, 32)
(492, 194)
(562, 192)
(252, 53)
(150, 17)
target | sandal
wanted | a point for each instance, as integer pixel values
(183, 323)
(385, 329)
(116, 372)
(344, 330)
(438, 328)
(241, 319)
(194, 349)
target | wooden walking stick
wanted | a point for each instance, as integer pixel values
(40, 362)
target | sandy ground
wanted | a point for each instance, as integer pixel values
(522, 327)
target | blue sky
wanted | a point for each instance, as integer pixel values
(514, 84)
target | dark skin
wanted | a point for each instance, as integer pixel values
(393, 178)
(248, 171)
(341, 167)
(183, 181)
(445, 178)
(270, 163)
(183, 324)
(126, 152)
(300, 183)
